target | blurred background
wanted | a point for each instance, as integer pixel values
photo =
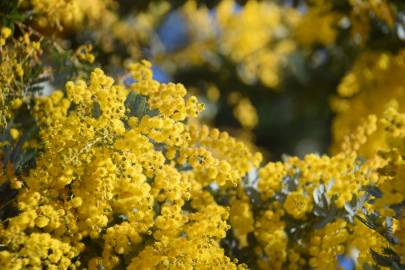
(269, 72)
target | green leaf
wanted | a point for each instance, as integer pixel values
(24, 159)
(367, 266)
(375, 191)
(380, 259)
(96, 110)
(389, 258)
(136, 104)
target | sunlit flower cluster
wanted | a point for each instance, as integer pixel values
(104, 166)
(125, 181)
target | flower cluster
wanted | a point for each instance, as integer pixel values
(123, 181)
(15, 71)
(124, 171)
(65, 13)
(374, 81)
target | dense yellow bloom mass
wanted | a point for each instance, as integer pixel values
(269, 230)
(136, 185)
(120, 173)
(101, 177)
(310, 192)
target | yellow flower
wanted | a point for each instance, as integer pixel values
(16, 103)
(297, 204)
(14, 133)
(5, 32)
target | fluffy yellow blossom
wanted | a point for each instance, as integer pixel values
(270, 179)
(338, 172)
(5, 32)
(246, 113)
(269, 230)
(14, 133)
(84, 53)
(326, 244)
(296, 204)
(241, 218)
(168, 99)
(39, 249)
(231, 159)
